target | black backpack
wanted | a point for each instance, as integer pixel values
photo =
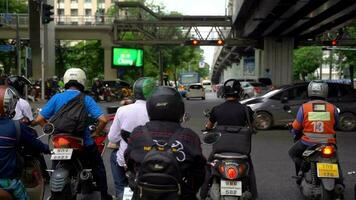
(71, 118)
(159, 175)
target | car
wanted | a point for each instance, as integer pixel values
(195, 91)
(270, 107)
(119, 88)
(207, 85)
(252, 89)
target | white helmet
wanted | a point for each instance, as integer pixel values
(75, 74)
(8, 100)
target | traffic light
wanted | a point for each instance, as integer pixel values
(195, 42)
(333, 42)
(47, 13)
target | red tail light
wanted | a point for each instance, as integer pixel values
(328, 152)
(66, 141)
(257, 90)
(231, 173)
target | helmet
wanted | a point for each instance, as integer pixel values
(8, 100)
(74, 77)
(165, 104)
(143, 88)
(18, 83)
(318, 89)
(232, 88)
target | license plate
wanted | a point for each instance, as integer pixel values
(62, 154)
(230, 188)
(327, 170)
(128, 193)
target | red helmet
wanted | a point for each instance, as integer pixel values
(8, 100)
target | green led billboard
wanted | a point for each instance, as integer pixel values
(127, 57)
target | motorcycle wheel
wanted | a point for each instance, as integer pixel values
(326, 195)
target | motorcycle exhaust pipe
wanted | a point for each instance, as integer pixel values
(339, 189)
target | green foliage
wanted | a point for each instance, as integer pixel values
(87, 55)
(14, 6)
(306, 60)
(348, 58)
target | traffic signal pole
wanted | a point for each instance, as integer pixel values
(18, 46)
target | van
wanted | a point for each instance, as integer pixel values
(207, 85)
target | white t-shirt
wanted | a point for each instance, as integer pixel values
(127, 118)
(23, 109)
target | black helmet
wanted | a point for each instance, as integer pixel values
(232, 88)
(165, 104)
(18, 83)
(143, 87)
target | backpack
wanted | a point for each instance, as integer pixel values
(71, 118)
(159, 175)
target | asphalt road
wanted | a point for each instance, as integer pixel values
(269, 153)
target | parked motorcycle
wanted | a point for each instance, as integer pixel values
(230, 173)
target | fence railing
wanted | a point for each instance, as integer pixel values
(83, 20)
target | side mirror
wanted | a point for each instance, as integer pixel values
(186, 117)
(284, 99)
(338, 110)
(48, 129)
(206, 113)
(211, 137)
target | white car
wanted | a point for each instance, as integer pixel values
(207, 85)
(195, 91)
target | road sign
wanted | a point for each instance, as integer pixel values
(7, 48)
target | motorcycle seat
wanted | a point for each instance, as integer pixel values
(229, 155)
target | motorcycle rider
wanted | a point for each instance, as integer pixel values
(165, 110)
(23, 108)
(319, 130)
(74, 80)
(229, 113)
(126, 119)
(12, 136)
(97, 88)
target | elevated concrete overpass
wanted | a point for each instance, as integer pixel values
(68, 28)
(277, 27)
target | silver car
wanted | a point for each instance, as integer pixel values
(271, 108)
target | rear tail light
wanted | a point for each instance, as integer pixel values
(231, 173)
(328, 152)
(66, 141)
(257, 90)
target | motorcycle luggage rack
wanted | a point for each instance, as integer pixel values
(230, 156)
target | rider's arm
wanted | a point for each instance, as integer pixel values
(47, 112)
(95, 112)
(115, 129)
(28, 139)
(212, 120)
(297, 126)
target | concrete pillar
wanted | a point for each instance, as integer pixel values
(109, 72)
(49, 48)
(278, 57)
(35, 39)
(259, 62)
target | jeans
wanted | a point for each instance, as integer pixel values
(119, 176)
(296, 153)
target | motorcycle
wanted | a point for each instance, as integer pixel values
(230, 173)
(107, 93)
(320, 179)
(69, 178)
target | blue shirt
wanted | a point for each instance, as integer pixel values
(60, 99)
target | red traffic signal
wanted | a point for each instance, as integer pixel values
(195, 42)
(333, 42)
(220, 42)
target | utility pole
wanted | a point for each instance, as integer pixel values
(331, 63)
(18, 46)
(160, 67)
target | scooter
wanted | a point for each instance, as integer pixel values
(230, 173)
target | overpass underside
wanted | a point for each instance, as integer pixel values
(279, 26)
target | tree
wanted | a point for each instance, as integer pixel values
(14, 6)
(306, 60)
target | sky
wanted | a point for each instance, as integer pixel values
(196, 7)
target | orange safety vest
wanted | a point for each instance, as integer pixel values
(319, 122)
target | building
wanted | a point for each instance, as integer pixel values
(81, 11)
